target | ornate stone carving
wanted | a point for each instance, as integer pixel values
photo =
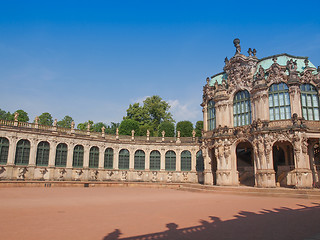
(43, 172)
(307, 76)
(94, 175)
(154, 176)
(2, 170)
(62, 172)
(124, 175)
(22, 173)
(169, 176)
(78, 174)
(276, 74)
(185, 176)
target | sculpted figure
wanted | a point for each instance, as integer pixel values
(236, 43)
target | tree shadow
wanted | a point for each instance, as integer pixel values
(279, 223)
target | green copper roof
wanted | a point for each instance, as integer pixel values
(282, 60)
(218, 77)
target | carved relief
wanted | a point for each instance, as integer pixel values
(43, 172)
(185, 176)
(62, 172)
(154, 176)
(78, 174)
(22, 173)
(169, 176)
(94, 175)
(2, 170)
(124, 175)
(276, 74)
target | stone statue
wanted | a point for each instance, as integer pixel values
(250, 52)
(306, 62)
(236, 43)
(16, 115)
(178, 134)
(55, 122)
(148, 133)
(193, 133)
(163, 133)
(254, 52)
(103, 129)
(36, 120)
(117, 131)
(72, 125)
(88, 127)
(132, 133)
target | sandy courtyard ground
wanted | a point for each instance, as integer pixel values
(150, 213)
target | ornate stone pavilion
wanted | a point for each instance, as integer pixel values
(29, 151)
(261, 122)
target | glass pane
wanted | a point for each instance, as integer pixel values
(281, 98)
(303, 98)
(276, 100)
(287, 99)
(271, 114)
(310, 114)
(316, 114)
(276, 114)
(270, 101)
(309, 104)
(288, 113)
(315, 100)
(282, 115)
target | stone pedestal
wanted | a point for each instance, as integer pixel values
(265, 178)
(224, 178)
(302, 178)
(208, 177)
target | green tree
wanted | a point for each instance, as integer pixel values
(5, 115)
(168, 127)
(127, 125)
(144, 128)
(84, 126)
(198, 129)
(151, 114)
(185, 128)
(45, 119)
(65, 122)
(112, 128)
(97, 126)
(23, 116)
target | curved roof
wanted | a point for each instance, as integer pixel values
(282, 60)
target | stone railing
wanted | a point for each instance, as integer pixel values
(92, 134)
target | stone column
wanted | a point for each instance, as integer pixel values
(178, 160)
(12, 150)
(68, 175)
(208, 177)
(33, 152)
(52, 158)
(131, 158)
(116, 158)
(312, 163)
(86, 156)
(205, 117)
(147, 159)
(295, 99)
(101, 157)
(162, 159)
(193, 160)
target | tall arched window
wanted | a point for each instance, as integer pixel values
(22, 152)
(309, 102)
(185, 161)
(61, 155)
(124, 159)
(155, 160)
(78, 152)
(279, 102)
(108, 158)
(94, 157)
(170, 164)
(200, 162)
(43, 150)
(211, 115)
(139, 160)
(4, 150)
(241, 109)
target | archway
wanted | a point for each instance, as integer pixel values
(283, 161)
(245, 163)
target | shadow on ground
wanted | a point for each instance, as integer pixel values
(281, 223)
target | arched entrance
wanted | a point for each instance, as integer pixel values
(283, 162)
(200, 167)
(245, 163)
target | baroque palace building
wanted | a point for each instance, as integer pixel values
(261, 122)
(29, 151)
(261, 128)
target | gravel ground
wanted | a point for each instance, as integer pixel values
(150, 213)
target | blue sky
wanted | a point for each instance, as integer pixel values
(91, 59)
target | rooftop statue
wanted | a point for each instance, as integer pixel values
(236, 43)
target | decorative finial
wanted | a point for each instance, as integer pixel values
(208, 80)
(274, 59)
(250, 52)
(254, 52)
(236, 43)
(306, 62)
(226, 60)
(318, 69)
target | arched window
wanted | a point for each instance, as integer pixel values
(241, 109)
(309, 102)
(61, 155)
(211, 115)
(139, 159)
(200, 162)
(94, 157)
(124, 159)
(155, 160)
(108, 158)
(170, 164)
(22, 152)
(185, 161)
(43, 150)
(279, 102)
(78, 156)
(4, 150)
